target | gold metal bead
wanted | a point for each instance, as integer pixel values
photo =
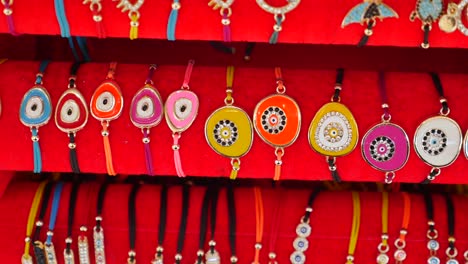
(175, 147)
(7, 11)
(146, 140)
(35, 138)
(368, 32)
(425, 45)
(277, 28)
(225, 21)
(105, 133)
(175, 6)
(71, 145)
(97, 18)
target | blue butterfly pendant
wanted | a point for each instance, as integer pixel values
(428, 11)
(367, 12)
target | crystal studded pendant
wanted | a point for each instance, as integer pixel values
(452, 261)
(303, 230)
(399, 255)
(39, 253)
(212, 257)
(50, 255)
(297, 257)
(68, 257)
(83, 250)
(99, 253)
(26, 260)
(433, 260)
(333, 131)
(383, 259)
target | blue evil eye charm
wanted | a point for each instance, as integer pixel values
(35, 109)
(433, 245)
(303, 230)
(452, 261)
(301, 244)
(433, 260)
(297, 257)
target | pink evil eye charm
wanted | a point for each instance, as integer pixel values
(386, 147)
(146, 109)
(181, 109)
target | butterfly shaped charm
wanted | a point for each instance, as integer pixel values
(368, 11)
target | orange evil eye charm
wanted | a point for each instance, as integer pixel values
(107, 102)
(277, 120)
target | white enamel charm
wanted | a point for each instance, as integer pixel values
(438, 141)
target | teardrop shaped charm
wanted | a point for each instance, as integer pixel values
(71, 113)
(438, 141)
(181, 109)
(333, 131)
(107, 101)
(36, 108)
(229, 132)
(386, 147)
(277, 120)
(146, 109)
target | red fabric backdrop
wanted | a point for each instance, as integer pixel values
(317, 22)
(412, 98)
(331, 223)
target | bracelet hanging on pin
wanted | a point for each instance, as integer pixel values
(96, 6)
(225, 11)
(133, 14)
(428, 11)
(368, 13)
(279, 16)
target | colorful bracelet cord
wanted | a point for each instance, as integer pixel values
(259, 222)
(132, 223)
(98, 231)
(451, 250)
(172, 21)
(231, 201)
(183, 223)
(8, 12)
(26, 258)
(384, 247)
(95, 6)
(68, 255)
(51, 257)
(400, 243)
(35, 111)
(355, 228)
(39, 255)
(303, 231)
(158, 257)
(432, 234)
(275, 225)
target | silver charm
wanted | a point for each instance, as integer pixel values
(26, 260)
(297, 258)
(83, 250)
(400, 255)
(301, 244)
(383, 259)
(433, 245)
(50, 255)
(99, 253)
(68, 257)
(158, 257)
(303, 230)
(212, 257)
(433, 260)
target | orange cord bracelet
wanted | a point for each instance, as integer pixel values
(400, 242)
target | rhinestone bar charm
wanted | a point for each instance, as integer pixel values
(83, 250)
(39, 253)
(51, 257)
(26, 260)
(301, 244)
(99, 253)
(212, 257)
(69, 257)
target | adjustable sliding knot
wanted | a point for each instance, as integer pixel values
(134, 16)
(146, 132)
(177, 160)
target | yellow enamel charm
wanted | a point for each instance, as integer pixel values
(333, 131)
(228, 130)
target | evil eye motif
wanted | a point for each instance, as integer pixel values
(225, 133)
(107, 102)
(303, 230)
(452, 261)
(300, 244)
(146, 109)
(228, 131)
(35, 109)
(386, 147)
(71, 113)
(438, 141)
(333, 131)
(400, 255)
(181, 108)
(277, 120)
(383, 259)
(433, 260)
(433, 245)
(297, 257)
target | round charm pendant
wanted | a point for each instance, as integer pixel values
(433, 260)
(438, 140)
(465, 145)
(107, 102)
(297, 257)
(452, 261)
(382, 259)
(181, 109)
(36, 108)
(228, 131)
(301, 244)
(71, 113)
(386, 147)
(333, 131)
(400, 255)
(303, 230)
(277, 120)
(433, 245)
(146, 109)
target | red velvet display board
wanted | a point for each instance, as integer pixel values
(412, 98)
(317, 22)
(331, 223)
